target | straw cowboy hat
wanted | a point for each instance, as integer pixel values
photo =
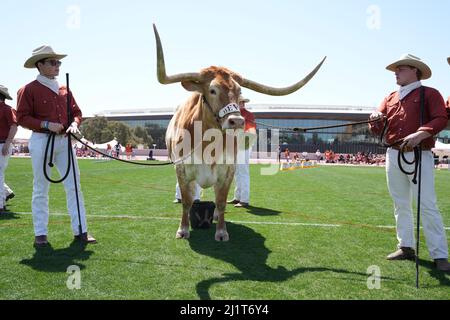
(242, 99)
(412, 61)
(4, 91)
(40, 53)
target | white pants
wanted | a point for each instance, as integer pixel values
(403, 191)
(3, 165)
(198, 190)
(39, 202)
(242, 176)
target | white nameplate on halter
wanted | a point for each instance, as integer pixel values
(231, 108)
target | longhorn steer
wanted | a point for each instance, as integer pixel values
(213, 105)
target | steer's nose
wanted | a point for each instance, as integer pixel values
(236, 122)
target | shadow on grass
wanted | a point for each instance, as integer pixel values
(262, 211)
(246, 252)
(50, 260)
(9, 215)
(443, 279)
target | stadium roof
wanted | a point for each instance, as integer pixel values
(256, 108)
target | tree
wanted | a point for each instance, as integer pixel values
(100, 130)
(121, 131)
(142, 136)
(93, 129)
(158, 134)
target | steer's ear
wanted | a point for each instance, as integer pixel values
(192, 85)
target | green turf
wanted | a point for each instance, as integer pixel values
(130, 212)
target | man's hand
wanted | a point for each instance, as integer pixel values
(377, 115)
(73, 128)
(5, 148)
(415, 139)
(55, 127)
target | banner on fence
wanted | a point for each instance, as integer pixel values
(305, 164)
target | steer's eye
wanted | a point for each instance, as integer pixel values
(212, 92)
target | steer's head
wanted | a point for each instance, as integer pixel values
(220, 88)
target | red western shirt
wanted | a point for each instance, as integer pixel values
(7, 119)
(404, 116)
(37, 103)
(249, 119)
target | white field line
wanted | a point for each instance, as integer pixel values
(233, 221)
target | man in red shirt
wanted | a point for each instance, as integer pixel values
(42, 108)
(448, 100)
(402, 110)
(8, 129)
(242, 173)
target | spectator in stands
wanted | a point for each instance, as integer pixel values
(318, 155)
(287, 154)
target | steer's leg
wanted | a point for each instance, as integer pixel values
(221, 191)
(187, 200)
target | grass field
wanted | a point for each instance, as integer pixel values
(310, 234)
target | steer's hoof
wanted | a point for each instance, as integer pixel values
(182, 234)
(222, 235)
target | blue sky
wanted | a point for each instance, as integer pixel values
(112, 60)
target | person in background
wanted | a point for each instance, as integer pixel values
(129, 150)
(318, 155)
(8, 129)
(448, 100)
(287, 154)
(117, 148)
(197, 194)
(242, 172)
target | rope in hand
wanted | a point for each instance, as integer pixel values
(415, 161)
(121, 160)
(300, 129)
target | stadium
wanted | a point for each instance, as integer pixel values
(348, 139)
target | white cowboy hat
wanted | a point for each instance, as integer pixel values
(40, 53)
(4, 91)
(412, 61)
(242, 99)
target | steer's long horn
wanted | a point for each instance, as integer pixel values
(161, 66)
(280, 91)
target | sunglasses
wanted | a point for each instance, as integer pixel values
(53, 62)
